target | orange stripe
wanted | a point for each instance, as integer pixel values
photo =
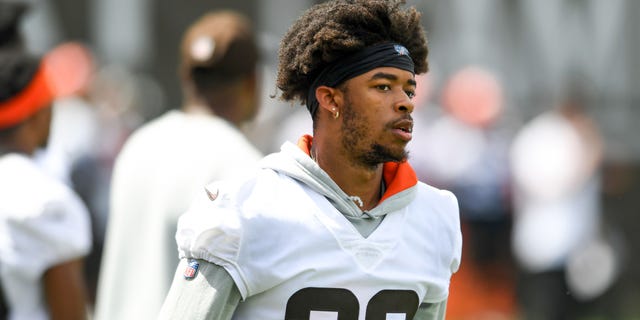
(397, 176)
(304, 143)
(33, 98)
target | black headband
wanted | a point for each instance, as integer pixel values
(369, 58)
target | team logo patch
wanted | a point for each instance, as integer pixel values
(212, 194)
(401, 50)
(191, 271)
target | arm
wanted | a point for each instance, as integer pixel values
(430, 311)
(211, 295)
(65, 291)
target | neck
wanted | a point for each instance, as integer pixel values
(223, 104)
(6, 149)
(354, 179)
(18, 141)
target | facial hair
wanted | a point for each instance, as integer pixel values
(355, 130)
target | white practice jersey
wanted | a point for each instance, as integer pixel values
(160, 169)
(294, 255)
(43, 223)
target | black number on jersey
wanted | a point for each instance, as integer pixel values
(345, 304)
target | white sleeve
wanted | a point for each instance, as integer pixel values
(59, 233)
(210, 295)
(213, 230)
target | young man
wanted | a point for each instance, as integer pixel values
(165, 163)
(337, 227)
(44, 226)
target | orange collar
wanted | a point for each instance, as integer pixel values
(30, 100)
(398, 176)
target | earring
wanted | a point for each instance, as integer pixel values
(336, 113)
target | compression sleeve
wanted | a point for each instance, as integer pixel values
(211, 295)
(432, 311)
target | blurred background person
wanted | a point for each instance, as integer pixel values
(165, 162)
(114, 106)
(73, 126)
(74, 140)
(557, 165)
(44, 226)
(464, 148)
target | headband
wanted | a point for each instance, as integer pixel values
(34, 97)
(369, 58)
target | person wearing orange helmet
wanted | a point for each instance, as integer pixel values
(44, 226)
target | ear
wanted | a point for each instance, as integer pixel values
(328, 98)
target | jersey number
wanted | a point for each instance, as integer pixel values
(345, 303)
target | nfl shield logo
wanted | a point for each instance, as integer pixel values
(401, 50)
(191, 270)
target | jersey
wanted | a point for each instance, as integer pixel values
(160, 169)
(291, 252)
(43, 223)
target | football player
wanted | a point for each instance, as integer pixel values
(337, 226)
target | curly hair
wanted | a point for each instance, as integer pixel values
(16, 72)
(16, 66)
(331, 30)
